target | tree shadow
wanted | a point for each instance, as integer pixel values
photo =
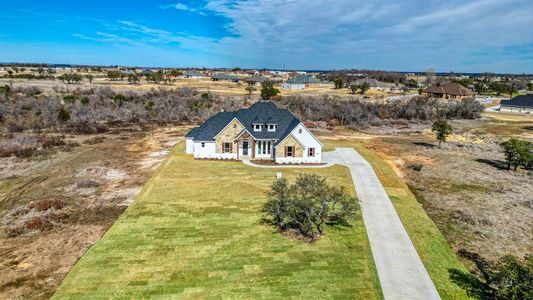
(494, 163)
(424, 144)
(528, 127)
(472, 286)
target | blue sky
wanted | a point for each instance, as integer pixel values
(460, 36)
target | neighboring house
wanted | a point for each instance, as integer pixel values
(300, 82)
(147, 72)
(374, 84)
(255, 80)
(448, 91)
(222, 76)
(522, 103)
(261, 132)
(192, 74)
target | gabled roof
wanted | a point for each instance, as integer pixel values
(450, 89)
(193, 74)
(261, 112)
(222, 76)
(519, 101)
(303, 79)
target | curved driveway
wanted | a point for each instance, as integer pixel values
(401, 272)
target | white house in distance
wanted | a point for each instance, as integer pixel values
(193, 74)
(260, 132)
(300, 82)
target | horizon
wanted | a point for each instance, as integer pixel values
(481, 36)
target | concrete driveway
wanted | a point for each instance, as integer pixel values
(401, 272)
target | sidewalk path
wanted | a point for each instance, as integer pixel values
(401, 272)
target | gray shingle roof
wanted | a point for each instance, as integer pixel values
(193, 74)
(519, 101)
(263, 112)
(303, 79)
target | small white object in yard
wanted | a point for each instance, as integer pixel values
(279, 175)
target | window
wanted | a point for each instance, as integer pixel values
(234, 125)
(300, 130)
(227, 147)
(257, 127)
(311, 152)
(289, 151)
(264, 147)
(203, 145)
(271, 127)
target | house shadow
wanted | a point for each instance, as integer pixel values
(424, 144)
(494, 163)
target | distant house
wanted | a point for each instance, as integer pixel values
(300, 82)
(256, 79)
(192, 74)
(374, 84)
(448, 91)
(261, 132)
(226, 77)
(522, 103)
(147, 72)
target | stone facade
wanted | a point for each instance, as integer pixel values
(289, 141)
(228, 135)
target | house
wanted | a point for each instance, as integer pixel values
(222, 76)
(192, 74)
(374, 84)
(300, 82)
(147, 72)
(260, 132)
(448, 91)
(522, 103)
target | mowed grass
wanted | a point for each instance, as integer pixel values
(434, 250)
(195, 232)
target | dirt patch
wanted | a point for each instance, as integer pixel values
(53, 207)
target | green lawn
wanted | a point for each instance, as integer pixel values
(195, 232)
(434, 250)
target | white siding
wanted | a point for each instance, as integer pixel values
(189, 145)
(292, 86)
(308, 141)
(209, 151)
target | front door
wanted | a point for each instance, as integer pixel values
(245, 148)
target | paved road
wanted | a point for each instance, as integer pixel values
(401, 272)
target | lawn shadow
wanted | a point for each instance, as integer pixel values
(424, 144)
(501, 165)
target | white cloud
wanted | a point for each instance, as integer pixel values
(374, 33)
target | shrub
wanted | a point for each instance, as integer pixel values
(46, 204)
(416, 167)
(15, 231)
(307, 205)
(94, 140)
(508, 278)
(21, 146)
(517, 152)
(38, 223)
(87, 183)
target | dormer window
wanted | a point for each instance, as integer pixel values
(257, 127)
(272, 127)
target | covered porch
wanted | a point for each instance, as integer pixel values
(251, 149)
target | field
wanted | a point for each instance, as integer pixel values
(204, 85)
(95, 182)
(195, 231)
(475, 202)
